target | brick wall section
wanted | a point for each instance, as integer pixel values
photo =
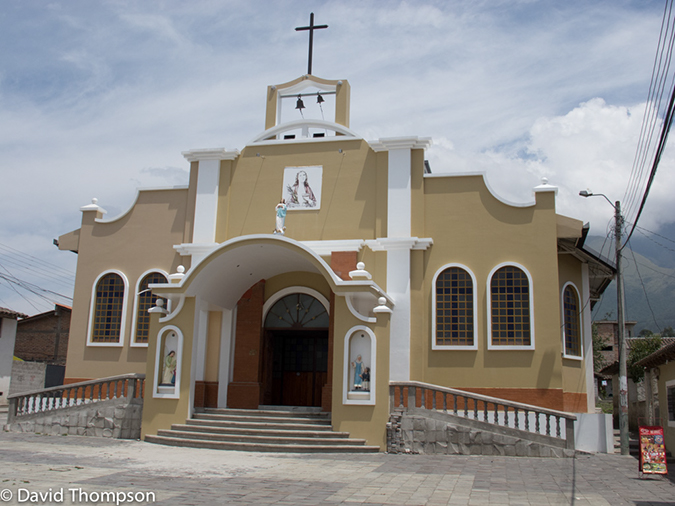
(609, 331)
(245, 390)
(44, 337)
(342, 262)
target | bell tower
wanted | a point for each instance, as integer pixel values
(308, 98)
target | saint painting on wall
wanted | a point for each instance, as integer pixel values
(302, 187)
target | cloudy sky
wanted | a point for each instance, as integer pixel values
(99, 98)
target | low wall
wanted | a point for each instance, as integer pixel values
(27, 376)
(593, 432)
(115, 418)
(435, 433)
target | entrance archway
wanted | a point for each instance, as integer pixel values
(295, 367)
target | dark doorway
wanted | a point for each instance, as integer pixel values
(295, 357)
(299, 366)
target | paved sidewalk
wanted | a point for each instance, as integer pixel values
(184, 476)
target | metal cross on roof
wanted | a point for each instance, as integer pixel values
(311, 29)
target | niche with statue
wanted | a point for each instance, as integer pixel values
(168, 362)
(359, 366)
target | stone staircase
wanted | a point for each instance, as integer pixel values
(262, 430)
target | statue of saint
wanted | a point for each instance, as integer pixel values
(281, 217)
(169, 373)
(358, 371)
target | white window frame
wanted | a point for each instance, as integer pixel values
(581, 322)
(159, 363)
(92, 311)
(133, 342)
(669, 384)
(435, 346)
(373, 369)
(490, 346)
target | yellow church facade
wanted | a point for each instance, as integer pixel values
(313, 267)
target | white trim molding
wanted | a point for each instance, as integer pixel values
(370, 400)
(159, 364)
(326, 248)
(134, 321)
(435, 346)
(581, 322)
(92, 310)
(490, 346)
(195, 155)
(391, 243)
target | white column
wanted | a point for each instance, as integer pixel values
(399, 198)
(398, 287)
(588, 339)
(208, 183)
(399, 226)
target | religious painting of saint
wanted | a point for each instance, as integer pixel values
(302, 187)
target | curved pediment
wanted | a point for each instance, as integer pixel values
(304, 130)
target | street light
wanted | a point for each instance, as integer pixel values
(623, 382)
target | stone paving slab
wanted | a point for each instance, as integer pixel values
(185, 476)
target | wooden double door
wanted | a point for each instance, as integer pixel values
(295, 366)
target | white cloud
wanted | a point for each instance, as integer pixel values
(104, 96)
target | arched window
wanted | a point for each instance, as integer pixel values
(108, 310)
(455, 309)
(298, 310)
(144, 301)
(571, 321)
(510, 300)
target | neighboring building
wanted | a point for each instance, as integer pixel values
(660, 366)
(44, 337)
(7, 338)
(42, 346)
(385, 272)
(608, 331)
(637, 392)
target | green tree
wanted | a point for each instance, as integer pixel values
(668, 332)
(639, 349)
(645, 333)
(598, 344)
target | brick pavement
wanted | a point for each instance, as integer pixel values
(185, 476)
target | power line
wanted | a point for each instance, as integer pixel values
(644, 289)
(660, 73)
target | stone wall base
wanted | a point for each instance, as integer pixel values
(114, 418)
(417, 434)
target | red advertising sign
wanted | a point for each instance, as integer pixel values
(652, 450)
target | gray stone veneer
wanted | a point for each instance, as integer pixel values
(115, 418)
(415, 433)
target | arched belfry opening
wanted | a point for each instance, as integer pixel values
(295, 357)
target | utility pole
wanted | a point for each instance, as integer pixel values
(621, 324)
(623, 380)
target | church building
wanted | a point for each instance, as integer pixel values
(312, 267)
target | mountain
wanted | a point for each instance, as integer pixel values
(649, 279)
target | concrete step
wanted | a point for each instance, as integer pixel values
(268, 412)
(252, 424)
(192, 425)
(266, 430)
(229, 417)
(261, 447)
(259, 438)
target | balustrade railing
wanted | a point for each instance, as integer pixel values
(408, 395)
(75, 394)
